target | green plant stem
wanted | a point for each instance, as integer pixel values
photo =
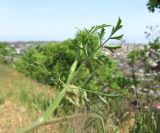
(64, 119)
(134, 79)
(55, 103)
(102, 94)
(78, 69)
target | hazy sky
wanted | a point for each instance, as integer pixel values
(56, 19)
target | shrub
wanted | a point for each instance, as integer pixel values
(6, 53)
(50, 64)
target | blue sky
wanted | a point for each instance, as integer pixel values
(56, 19)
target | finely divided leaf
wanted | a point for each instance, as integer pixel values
(117, 37)
(112, 48)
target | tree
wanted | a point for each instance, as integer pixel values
(153, 4)
(6, 53)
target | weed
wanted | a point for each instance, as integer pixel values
(90, 50)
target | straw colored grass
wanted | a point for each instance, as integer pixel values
(14, 114)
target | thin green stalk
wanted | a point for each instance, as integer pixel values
(72, 71)
(64, 119)
(78, 69)
(102, 94)
(55, 103)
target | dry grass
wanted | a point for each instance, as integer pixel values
(12, 81)
(14, 115)
(128, 123)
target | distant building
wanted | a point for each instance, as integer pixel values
(18, 51)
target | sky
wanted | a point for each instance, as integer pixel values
(47, 20)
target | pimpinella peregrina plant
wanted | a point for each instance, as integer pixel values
(84, 46)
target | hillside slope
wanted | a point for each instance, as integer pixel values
(21, 99)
